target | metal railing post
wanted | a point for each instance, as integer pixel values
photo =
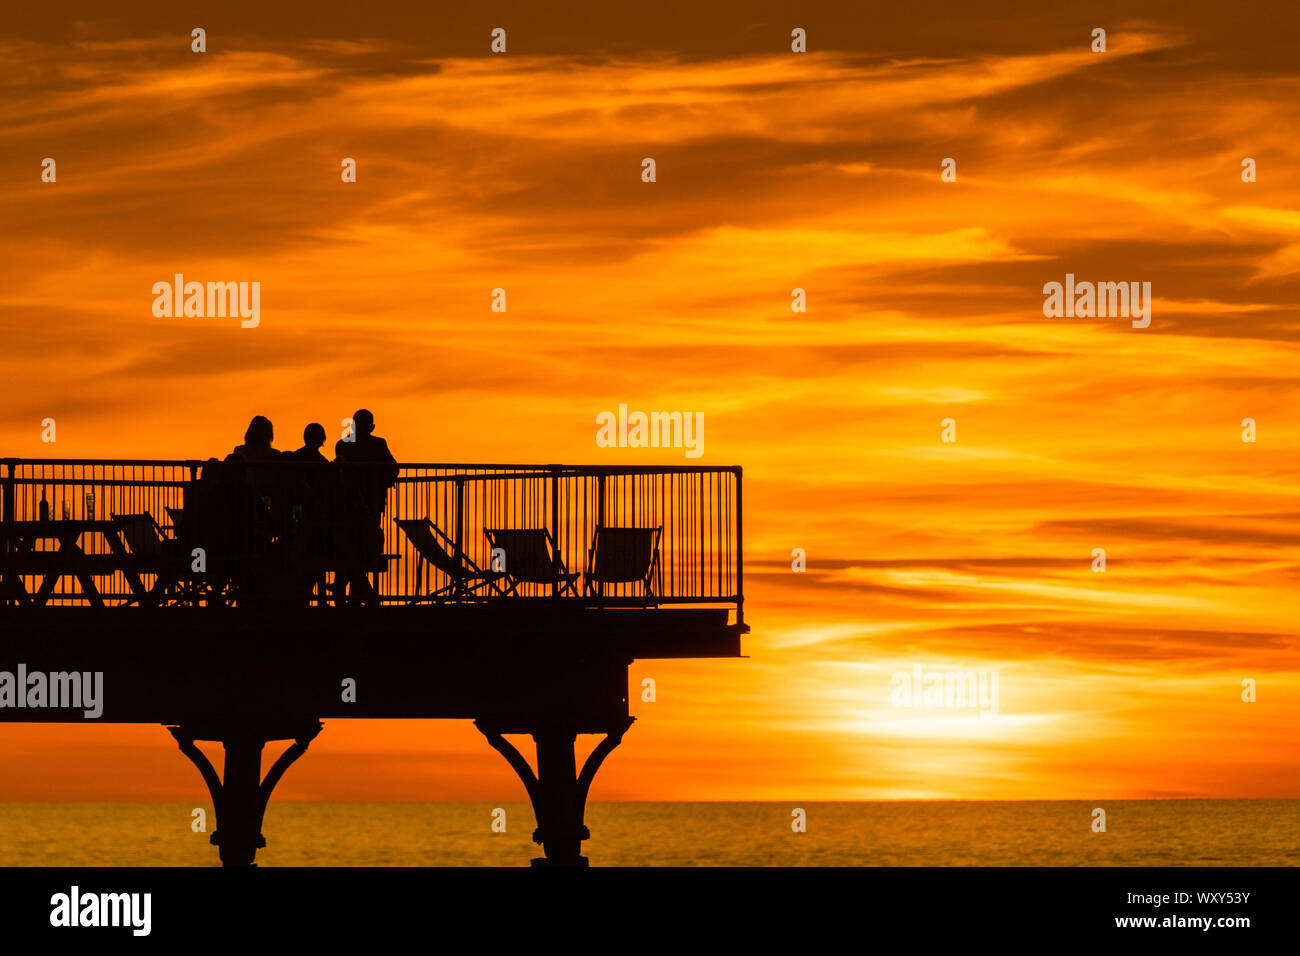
(460, 519)
(740, 552)
(704, 507)
(7, 516)
(600, 500)
(555, 527)
(600, 521)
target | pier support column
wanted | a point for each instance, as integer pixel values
(240, 800)
(558, 792)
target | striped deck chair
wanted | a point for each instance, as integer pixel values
(532, 558)
(141, 534)
(156, 553)
(466, 579)
(624, 556)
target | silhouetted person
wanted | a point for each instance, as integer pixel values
(313, 437)
(311, 491)
(257, 440)
(257, 460)
(364, 447)
(369, 470)
(226, 517)
(255, 452)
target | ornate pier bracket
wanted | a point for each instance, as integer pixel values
(240, 799)
(557, 791)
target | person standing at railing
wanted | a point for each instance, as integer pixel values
(314, 497)
(369, 470)
(226, 517)
(257, 441)
(260, 463)
(313, 437)
(257, 452)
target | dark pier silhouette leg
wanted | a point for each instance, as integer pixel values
(240, 800)
(558, 792)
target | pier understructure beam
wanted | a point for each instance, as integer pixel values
(557, 791)
(240, 799)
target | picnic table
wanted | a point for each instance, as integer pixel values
(307, 554)
(19, 556)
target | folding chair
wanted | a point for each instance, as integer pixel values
(142, 534)
(177, 516)
(532, 558)
(155, 552)
(623, 556)
(467, 579)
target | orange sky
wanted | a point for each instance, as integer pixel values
(775, 171)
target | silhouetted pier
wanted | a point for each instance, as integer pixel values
(512, 595)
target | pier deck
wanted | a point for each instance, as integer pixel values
(104, 576)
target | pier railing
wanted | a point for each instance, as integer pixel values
(158, 533)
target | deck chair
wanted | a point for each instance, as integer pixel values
(146, 541)
(178, 516)
(141, 534)
(467, 580)
(623, 556)
(531, 558)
